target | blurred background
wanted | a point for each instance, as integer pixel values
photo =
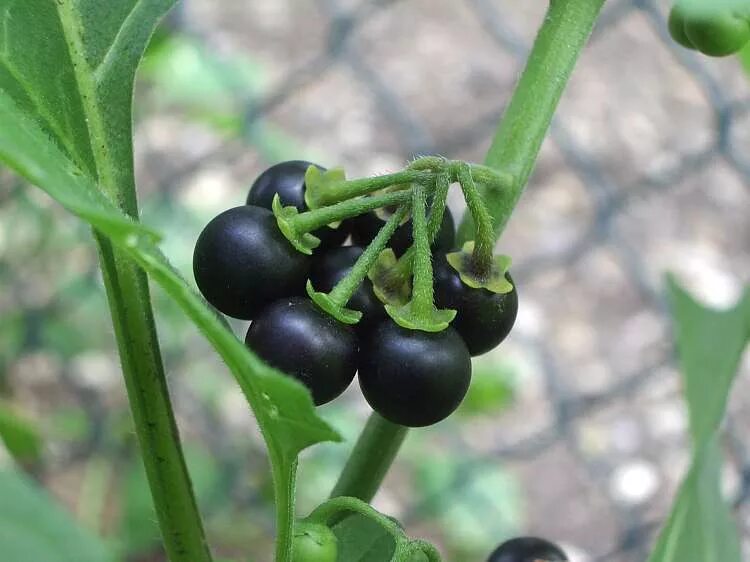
(574, 429)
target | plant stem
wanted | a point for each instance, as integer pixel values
(133, 320)
(422, 289)
(522, 129)
(370, 459)
(345, 288)
(312, 220)
(341, 191)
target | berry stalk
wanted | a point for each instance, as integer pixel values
(318, 196)
(312, 220)
(422, 290)
(484, 237)
(345, 288)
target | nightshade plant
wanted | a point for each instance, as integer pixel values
(66, 79)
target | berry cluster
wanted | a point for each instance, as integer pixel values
(713, 30)
(398, 306)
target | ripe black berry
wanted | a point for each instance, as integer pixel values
(483, 318)
(242, 262)
(365, 227)
(527, 549)
(411, 377)
(330, 267)
(288, 180)
(298, 338)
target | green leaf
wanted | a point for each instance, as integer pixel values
(66, 75)
(33, 528)
(710, 344)
(20, 435)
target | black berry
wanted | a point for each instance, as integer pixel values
(330, 267)
(527, 549)
(288, 180)
(411, 377)
(242, 262)
(483, 318)
(298, 338)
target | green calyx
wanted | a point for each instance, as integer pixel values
(302, 241)
(317, 183)
(329, 305)
(493, 280)
(413, 317)
(391, 281)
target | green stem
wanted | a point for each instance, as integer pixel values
(132, 317)
(402, 270)
(484, 239)
(284, 482)
(345, 288)
(422, 289)
(370, 459)
(312, 220)
(341, 191)
(522, 129)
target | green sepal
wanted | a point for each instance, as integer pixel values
(303, 242)
(407, 317)
(340, 313)
(379, 272)
(495, 281)
(318, 182)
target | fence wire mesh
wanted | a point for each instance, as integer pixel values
(645, 171)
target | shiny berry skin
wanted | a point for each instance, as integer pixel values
(288, 180)
(298, 338)
(314, 543)
(527, 549)
(242, 262)
(365, 227)
(330, 267)
(483, 318)
(414, 378)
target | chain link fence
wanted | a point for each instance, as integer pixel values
(645, 171)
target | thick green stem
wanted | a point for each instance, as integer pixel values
(422, 289)
(370, 459)
(345, 288)
(522, 129)
(341, 191)
(484, 240)
(132, 318)
(312, 220)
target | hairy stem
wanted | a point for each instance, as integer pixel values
(312, 220)
(345, 288)
(347, 189)
(422, 289)
(370, 459)
(522, 129)
(484, 240)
